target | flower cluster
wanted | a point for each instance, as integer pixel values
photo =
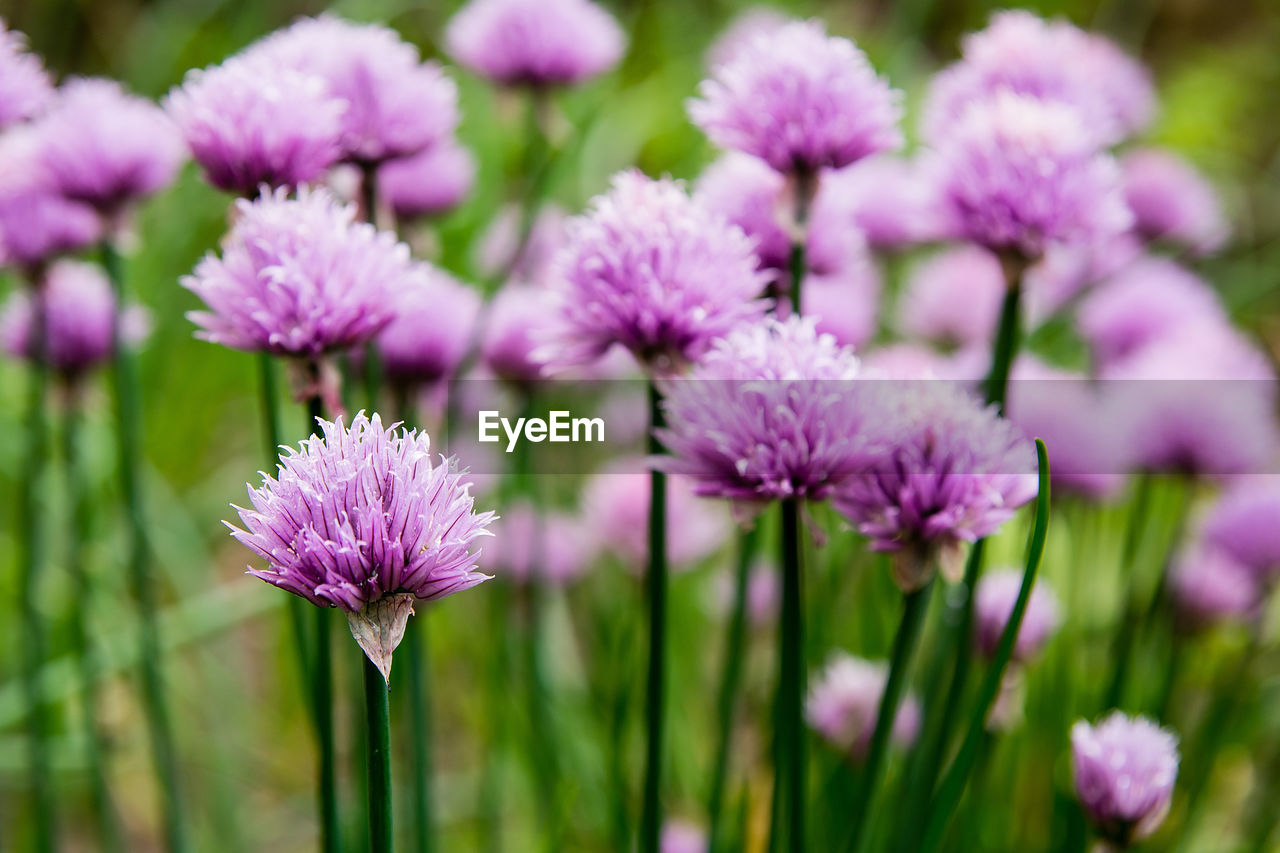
(24, 84)
(1125, 769)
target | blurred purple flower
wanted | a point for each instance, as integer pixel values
(953, 298)
(1125, 770)
(535, 42)
(764, 594)
(250, 121)
(1171, 201)
(37, 222)
(1210, 586)
(299, 277)
(889, 199)
(650, 269)
(362, 519)
(518, 319)
(1243, 523)
(844, 701)
(430, 183)
(434, 322)
(558, 547)
(844, 304)
(900, 361)
(682, 836)
(741, 31)
(498, 247)
(25, 86)
(993, 603)
(800, 100)
(105, 147)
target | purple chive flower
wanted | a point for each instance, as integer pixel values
(430, 183)
(1017, 174)
(652, 270)
(250, 121)
(496, 253)
(1242, 523)
(434, 321)
(888, 198)
(555, 546)
(364, 520)
(742, 30)
(953, 297)
(396, 105)
(764, 594)
(299, 277)
(37, 222)
(844, 305)
(769, 413)
(105, 147)
(993, 603)
(953, 471)
(682, 836)
(800, 100)
(1049, 60)
(518, 319)
(25, 86)
(1150, 298)
(79, 311)
(1171, 201)
(844, 700)
(535, 42)
(1211, 586)
(1125, 770)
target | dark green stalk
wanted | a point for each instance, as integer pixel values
(86, 652)
(141, 580)
(790, 758)
(417, 645)
(1008, 336)
(492, 783)
(730, 676)
(30, 567)
(378, 717)
(806, 184)
(372, 358)
(953, 784)
(915, 605)
(656, 583)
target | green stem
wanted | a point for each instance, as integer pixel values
(915, 605)
(806, 184)
(141, 581)
(30, 563)
(418, 643)
(492, 783)
(656, 583)
(791, 699)
(1008, 336)
(378, 717)
(953, 784)
(372, 358)
(730, 676)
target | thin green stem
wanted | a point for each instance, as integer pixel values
(141, 580)
(378, 718)
(1008, 335)
(792, 764)
(656, 584)
(953, 784)
(730, 677)
(372, 357)
(805, 186)
(417, 644)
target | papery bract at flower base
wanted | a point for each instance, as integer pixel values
(1125, 770)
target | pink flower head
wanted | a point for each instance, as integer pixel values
(654, 271)
(25, 86)
(1243, 524)
(251, 121)
(1125, 770)
(429, 183)
(515, 325)
(1211, 586)
(434, 322)
(800, 100)
(535, 42)
(953, 297)
(396, 105)
(299, 277)
(37, 222)
(844, 701)
(844, 304)
(1017, 174)
(1048, 60)
(889, 199)
(554, 547)
(682, 836)
(105, 147)
(742, 31)
(993, 603)
(770, 413)
(1171, 201)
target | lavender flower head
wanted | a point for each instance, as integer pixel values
(1017, 174)
(430, 183)
(770, 413)
(251, 121)
(363, 519)
(535, 42)
(1243, 524)
(79, 313)
(845, 699)
(763, 594)
(37, 222)
(993, 603)
(953, 298)
(105, 147)
(800, 100)
(1048, 60)
(25, 86)
(519, 317)
(434, 321)
(652, 270)
(953, 472)
(1125, 770)
(742, 30)
(889, 199)
(1210, 586)
(1171, 201)
(682, 836)
(299, 277)
(396, 105)
(553, 547)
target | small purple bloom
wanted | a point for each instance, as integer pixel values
(105, 147)
(363, 519)
(1171, 201)
(953, 298)
(298, 277)
(993, 603)
(889, 199)
(1210, 586)
(742, 31)
(250, 121)
(535, 42)
(844, 701)
(37, 222)
(430, 183)
(434, 323)
(554, 546)
(496, 252)
(1125, 770)
(25, 86)
(518, 319)
(764, 594)
(681, 836)
(1243, 523)
(844, 305)
(800, 100)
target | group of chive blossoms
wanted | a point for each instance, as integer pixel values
(755, 300)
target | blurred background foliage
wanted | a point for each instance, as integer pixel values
(247, 756)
